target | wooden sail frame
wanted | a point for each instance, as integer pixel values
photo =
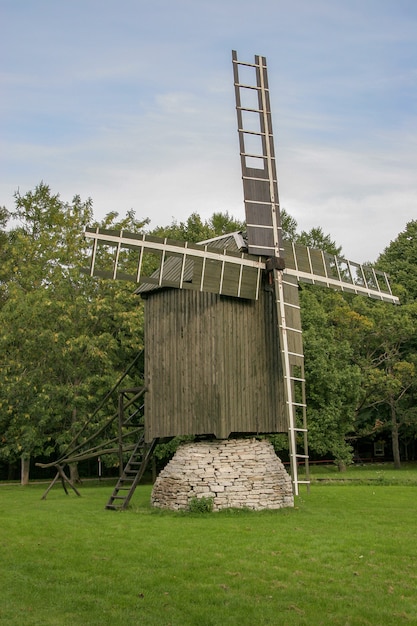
(210, 270)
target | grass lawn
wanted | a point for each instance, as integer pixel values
(370, 473)
(345, 555)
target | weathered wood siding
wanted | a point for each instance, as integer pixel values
(212, 365)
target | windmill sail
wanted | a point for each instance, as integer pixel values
(257, 157)
(216, 266)
(317, 267)
(260, 189)
(287, 263)
(182, 265)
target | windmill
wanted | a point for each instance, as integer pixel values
(223, 337)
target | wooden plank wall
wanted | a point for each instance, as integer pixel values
(212, 365)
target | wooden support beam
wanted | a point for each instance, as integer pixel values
(60, 474)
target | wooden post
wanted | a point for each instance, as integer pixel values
(50, 486)
(64, 479)
(24, 475)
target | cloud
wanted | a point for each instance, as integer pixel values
(363, 198)
(132, 104)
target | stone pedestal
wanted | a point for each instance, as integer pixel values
(238, 473)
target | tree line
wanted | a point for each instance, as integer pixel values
(66, 337)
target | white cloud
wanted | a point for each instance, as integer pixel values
(132, 104)
(362, 198)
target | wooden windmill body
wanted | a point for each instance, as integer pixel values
(212, 365)
(223, 340)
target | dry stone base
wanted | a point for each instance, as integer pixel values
(238, 473)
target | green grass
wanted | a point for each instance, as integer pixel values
(345, 555)
(371, 473)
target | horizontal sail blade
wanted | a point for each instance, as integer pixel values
(155, 263)
(166, 263)
(316, 267)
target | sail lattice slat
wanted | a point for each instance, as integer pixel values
(320, 268)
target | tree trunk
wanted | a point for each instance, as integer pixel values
(341, 465)
(24, 471)
(395, 437)
(74, 475)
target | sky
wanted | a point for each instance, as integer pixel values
(131, 103)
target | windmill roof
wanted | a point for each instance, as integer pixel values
(230, 241)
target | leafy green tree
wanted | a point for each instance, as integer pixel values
(289, 226)
(399, 260)
(195, 230)
(64, 336)
(382, 347)
(39, 252)
(393, 342)
(332, 378)
(4, 218)
(315, 238)
(377, 340)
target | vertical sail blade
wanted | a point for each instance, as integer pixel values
(257, 155)
(264, 232)
(292, 357)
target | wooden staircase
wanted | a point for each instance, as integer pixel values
(132, 473)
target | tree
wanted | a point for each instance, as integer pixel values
(289, 226)
(41, 250)
(399, 260)
(382, 346)
(195, 230)
(376, 340)
(64, 336)
(332, 378)
(315, 238)
(4, 218)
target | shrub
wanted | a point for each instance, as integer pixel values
(200, 505)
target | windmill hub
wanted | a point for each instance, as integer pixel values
(275, 263)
